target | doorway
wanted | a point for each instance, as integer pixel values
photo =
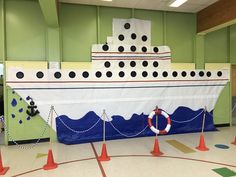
(234, 94)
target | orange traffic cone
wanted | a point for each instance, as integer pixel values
(202, 146)
(234, 141)
(50, 162)
(156, 150)
(104, 156)
(3, 170)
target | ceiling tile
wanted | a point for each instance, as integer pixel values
(191, 6)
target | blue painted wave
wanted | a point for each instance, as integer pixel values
(128, 127)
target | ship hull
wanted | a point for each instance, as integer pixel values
(120, 98)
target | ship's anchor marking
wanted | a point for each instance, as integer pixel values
(32, 109)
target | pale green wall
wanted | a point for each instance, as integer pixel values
(222, 112)
(233, 44)
(26, 30)
(216, 46)
(29, 38)
(220, 48)
(180, 34)
(1, 32)
(78, 27)
(169, 28)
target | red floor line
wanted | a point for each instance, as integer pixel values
(27, 172)
(62, 163)
(173, 157)
(72, 161)
(99, 163)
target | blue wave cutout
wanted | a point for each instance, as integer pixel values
(128, 127)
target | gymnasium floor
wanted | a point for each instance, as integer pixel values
(129, 158)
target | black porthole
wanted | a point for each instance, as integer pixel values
(184, 74)
(57, 75)
(132, 63)
(72, 74)
(121, 49)
(39, 74)
(155, 49)
(192, 73)
(121, 64)
(208, 74)
(145, 63)
(133, 48)
(19, 75)
(219, 73)
(107, 64)
(121, 37)
(155, 64)
(109, 74)
(127, 26)
(144, 49)
(85, 74)
(98, 74)
(174, 74)
(105, 47)
(144, 38)
(133, 36)
(165, 74)
(201, 73)
(155, 74)
(133, 74)
(144, 74)
(121, 74)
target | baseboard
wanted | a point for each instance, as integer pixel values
(29, 141)
(223, 125)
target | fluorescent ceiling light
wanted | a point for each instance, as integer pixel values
(107, 0)
(177, 3)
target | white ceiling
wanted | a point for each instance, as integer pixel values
(190, 6)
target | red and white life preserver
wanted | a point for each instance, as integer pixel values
(155, 130)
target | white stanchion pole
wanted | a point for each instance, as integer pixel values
(156, 120)
(203, 120)
(104, 126)
(104, 156)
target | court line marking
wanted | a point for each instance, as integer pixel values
(121, 156)
(99, 163)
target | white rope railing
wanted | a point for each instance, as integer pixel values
(77, 131)
(115, 128)
(34, 144)
(234, 107)
(190, 120)
(127, 136)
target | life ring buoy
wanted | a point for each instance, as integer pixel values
(155, 130)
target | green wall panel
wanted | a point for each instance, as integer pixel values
(222, 111)
(19, 127)
(216, 47)
(106, 15)
(200, 52)
(78, 27)
(180, 34)
(1, 32)
(26, 29)
(53, 44)
(233, 44)
(156, 18)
